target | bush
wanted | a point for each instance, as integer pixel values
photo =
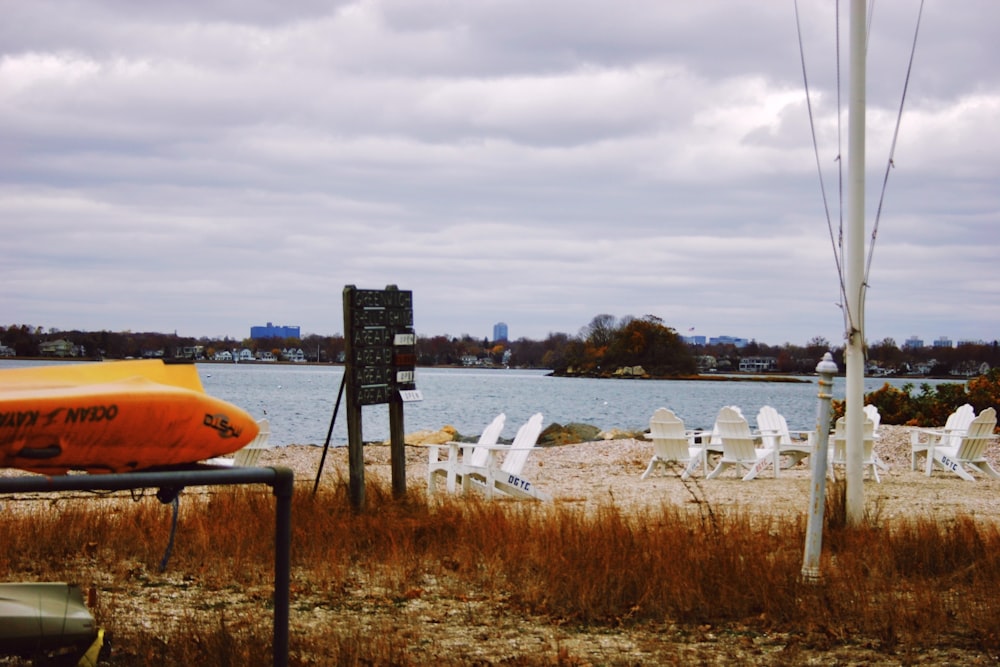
(932, 405)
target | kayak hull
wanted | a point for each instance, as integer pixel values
(121, 424)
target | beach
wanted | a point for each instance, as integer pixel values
(590, 474)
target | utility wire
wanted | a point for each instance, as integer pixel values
(819, 168)
(837, 241)
(890, 164)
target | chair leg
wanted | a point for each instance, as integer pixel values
(692, 466)
(718, 470)
(649, 469)
(985, 468)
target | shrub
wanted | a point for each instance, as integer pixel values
(932, 405)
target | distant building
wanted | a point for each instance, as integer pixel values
(729, 340)
(499, 331)
(58, 348)
(758, 364)
(943, 341)
(272, 331)
(7, 351)
(694, 340)
(913, 343)
(190, 352)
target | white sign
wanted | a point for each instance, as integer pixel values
(410, 395)
(405, 339)
(404, 377)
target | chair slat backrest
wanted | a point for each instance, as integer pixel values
(489, 437)
(716, 437)
(670, 442)
(957, 425)
(248, 455)
(737, 441)
(872, 413)
(524, 441)
(840, 439)
(773, 426)
(978, 437)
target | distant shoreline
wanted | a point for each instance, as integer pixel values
(709, 377)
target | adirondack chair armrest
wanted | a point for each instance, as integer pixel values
(768, 436)
(433, 449)
(928, 433)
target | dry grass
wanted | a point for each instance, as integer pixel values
(467, 582)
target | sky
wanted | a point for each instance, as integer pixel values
(204, 167)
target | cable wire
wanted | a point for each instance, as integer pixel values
(890, 164)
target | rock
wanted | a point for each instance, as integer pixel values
(630, 371)
(621, 434)
(570, 434)
(446, 434)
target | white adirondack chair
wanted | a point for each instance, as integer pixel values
(838, 451)
(472, 455)
(712, 440)
(775, 435)
(247, 455)
(969, 454)
(739, 450)
(672, 444)
(508, 477)
(872, 413)
(923, 441)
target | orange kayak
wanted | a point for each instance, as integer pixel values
(114, 417)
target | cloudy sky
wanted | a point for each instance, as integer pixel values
(208, 166)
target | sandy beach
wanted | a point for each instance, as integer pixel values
(590, 474)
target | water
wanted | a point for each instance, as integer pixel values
(298, 400)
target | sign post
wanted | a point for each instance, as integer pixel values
(380, 368)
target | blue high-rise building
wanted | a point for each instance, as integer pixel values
(272, 331)
(499, 331)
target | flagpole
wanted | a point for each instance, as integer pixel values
(854, 354)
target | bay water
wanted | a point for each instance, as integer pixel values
(299, 399)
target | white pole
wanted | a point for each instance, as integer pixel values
(854, 359)
(811, 572)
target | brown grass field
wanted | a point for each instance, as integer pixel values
(615, 571)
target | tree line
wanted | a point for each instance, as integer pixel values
(601, 347)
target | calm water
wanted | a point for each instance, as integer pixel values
(299, 400)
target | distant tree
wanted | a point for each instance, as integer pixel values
(817, 347)
(649, 343)
(600, 332)
(496, 352)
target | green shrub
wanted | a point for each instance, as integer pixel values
(932, 405)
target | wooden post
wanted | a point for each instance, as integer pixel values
(397, 445)
(355, 444)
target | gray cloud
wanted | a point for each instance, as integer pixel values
(208, 166)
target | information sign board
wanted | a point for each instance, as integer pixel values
(382, 344)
